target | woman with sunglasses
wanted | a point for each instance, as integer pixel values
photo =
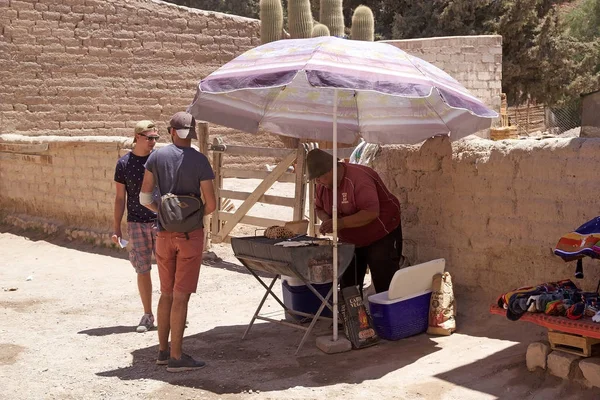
(141, 222)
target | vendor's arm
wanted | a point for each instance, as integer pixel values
(367, 202)
(361, 218)
(323, 216)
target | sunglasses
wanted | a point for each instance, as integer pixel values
(149, 138)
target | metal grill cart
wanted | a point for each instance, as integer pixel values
(311, 264)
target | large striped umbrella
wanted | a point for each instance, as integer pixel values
(334, 89)
(385, 94)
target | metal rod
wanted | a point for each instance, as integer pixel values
(276, 321)
(335, 220)
(261, 303)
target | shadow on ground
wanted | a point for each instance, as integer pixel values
(108, 330)
(236, 365)
(61, 240)
(504, 375)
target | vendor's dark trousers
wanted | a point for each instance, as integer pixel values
(382, 258)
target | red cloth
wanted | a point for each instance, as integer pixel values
(582, 327)
(362, 189)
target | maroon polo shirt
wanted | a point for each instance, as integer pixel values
(362, 189)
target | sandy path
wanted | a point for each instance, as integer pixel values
(68, 334)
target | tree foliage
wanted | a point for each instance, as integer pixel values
(545, 59)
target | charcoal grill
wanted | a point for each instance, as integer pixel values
(311, 264)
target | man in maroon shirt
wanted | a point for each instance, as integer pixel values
(368, 217)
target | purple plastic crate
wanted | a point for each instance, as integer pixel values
(401, 318)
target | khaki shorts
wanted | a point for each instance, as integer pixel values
(179, 260)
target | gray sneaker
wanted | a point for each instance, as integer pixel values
(163, 357)
(146, 323)
(185, 363)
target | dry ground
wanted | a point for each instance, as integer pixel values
(69, 333)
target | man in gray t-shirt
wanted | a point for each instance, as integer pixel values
(181, 170)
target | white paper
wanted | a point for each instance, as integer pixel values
(123, 243)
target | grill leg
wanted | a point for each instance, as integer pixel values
(261, 303)
(324, 302)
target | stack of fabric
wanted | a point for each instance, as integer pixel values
(562, 298)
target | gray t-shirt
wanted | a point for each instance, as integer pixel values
(179, 170)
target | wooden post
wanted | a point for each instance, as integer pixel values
(300, 190)
(217, 163)
(202, 131)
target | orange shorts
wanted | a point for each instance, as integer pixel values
(179, 260)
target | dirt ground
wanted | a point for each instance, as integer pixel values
(68, 332)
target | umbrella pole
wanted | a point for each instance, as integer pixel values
(335, 219)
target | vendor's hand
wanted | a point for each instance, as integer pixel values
(327, 226)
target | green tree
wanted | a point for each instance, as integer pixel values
(539, 60)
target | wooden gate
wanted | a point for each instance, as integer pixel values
(222, 222)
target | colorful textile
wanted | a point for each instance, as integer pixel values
(584, 241)
(546, 298)
(582, 327)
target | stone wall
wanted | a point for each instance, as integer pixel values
(60, 184)
(495, 210)
(95, 67)
(474, 61)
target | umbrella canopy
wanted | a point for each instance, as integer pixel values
(384, 94)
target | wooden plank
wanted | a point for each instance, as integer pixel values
(573, 344)
(231, 149)
(257, 194)
(274, 200)
(28, 148)
(217, 162)
(250, 220)
(255, 174)
(300, 190)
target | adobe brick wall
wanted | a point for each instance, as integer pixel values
(95, 67)
(474, 61)
(67, 188)
(495, 210)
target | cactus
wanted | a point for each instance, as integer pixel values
(271, 17)
(320, 30)
(300, 20)
(332, 15)
(363, 24)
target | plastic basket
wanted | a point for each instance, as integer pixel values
(401, 318)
